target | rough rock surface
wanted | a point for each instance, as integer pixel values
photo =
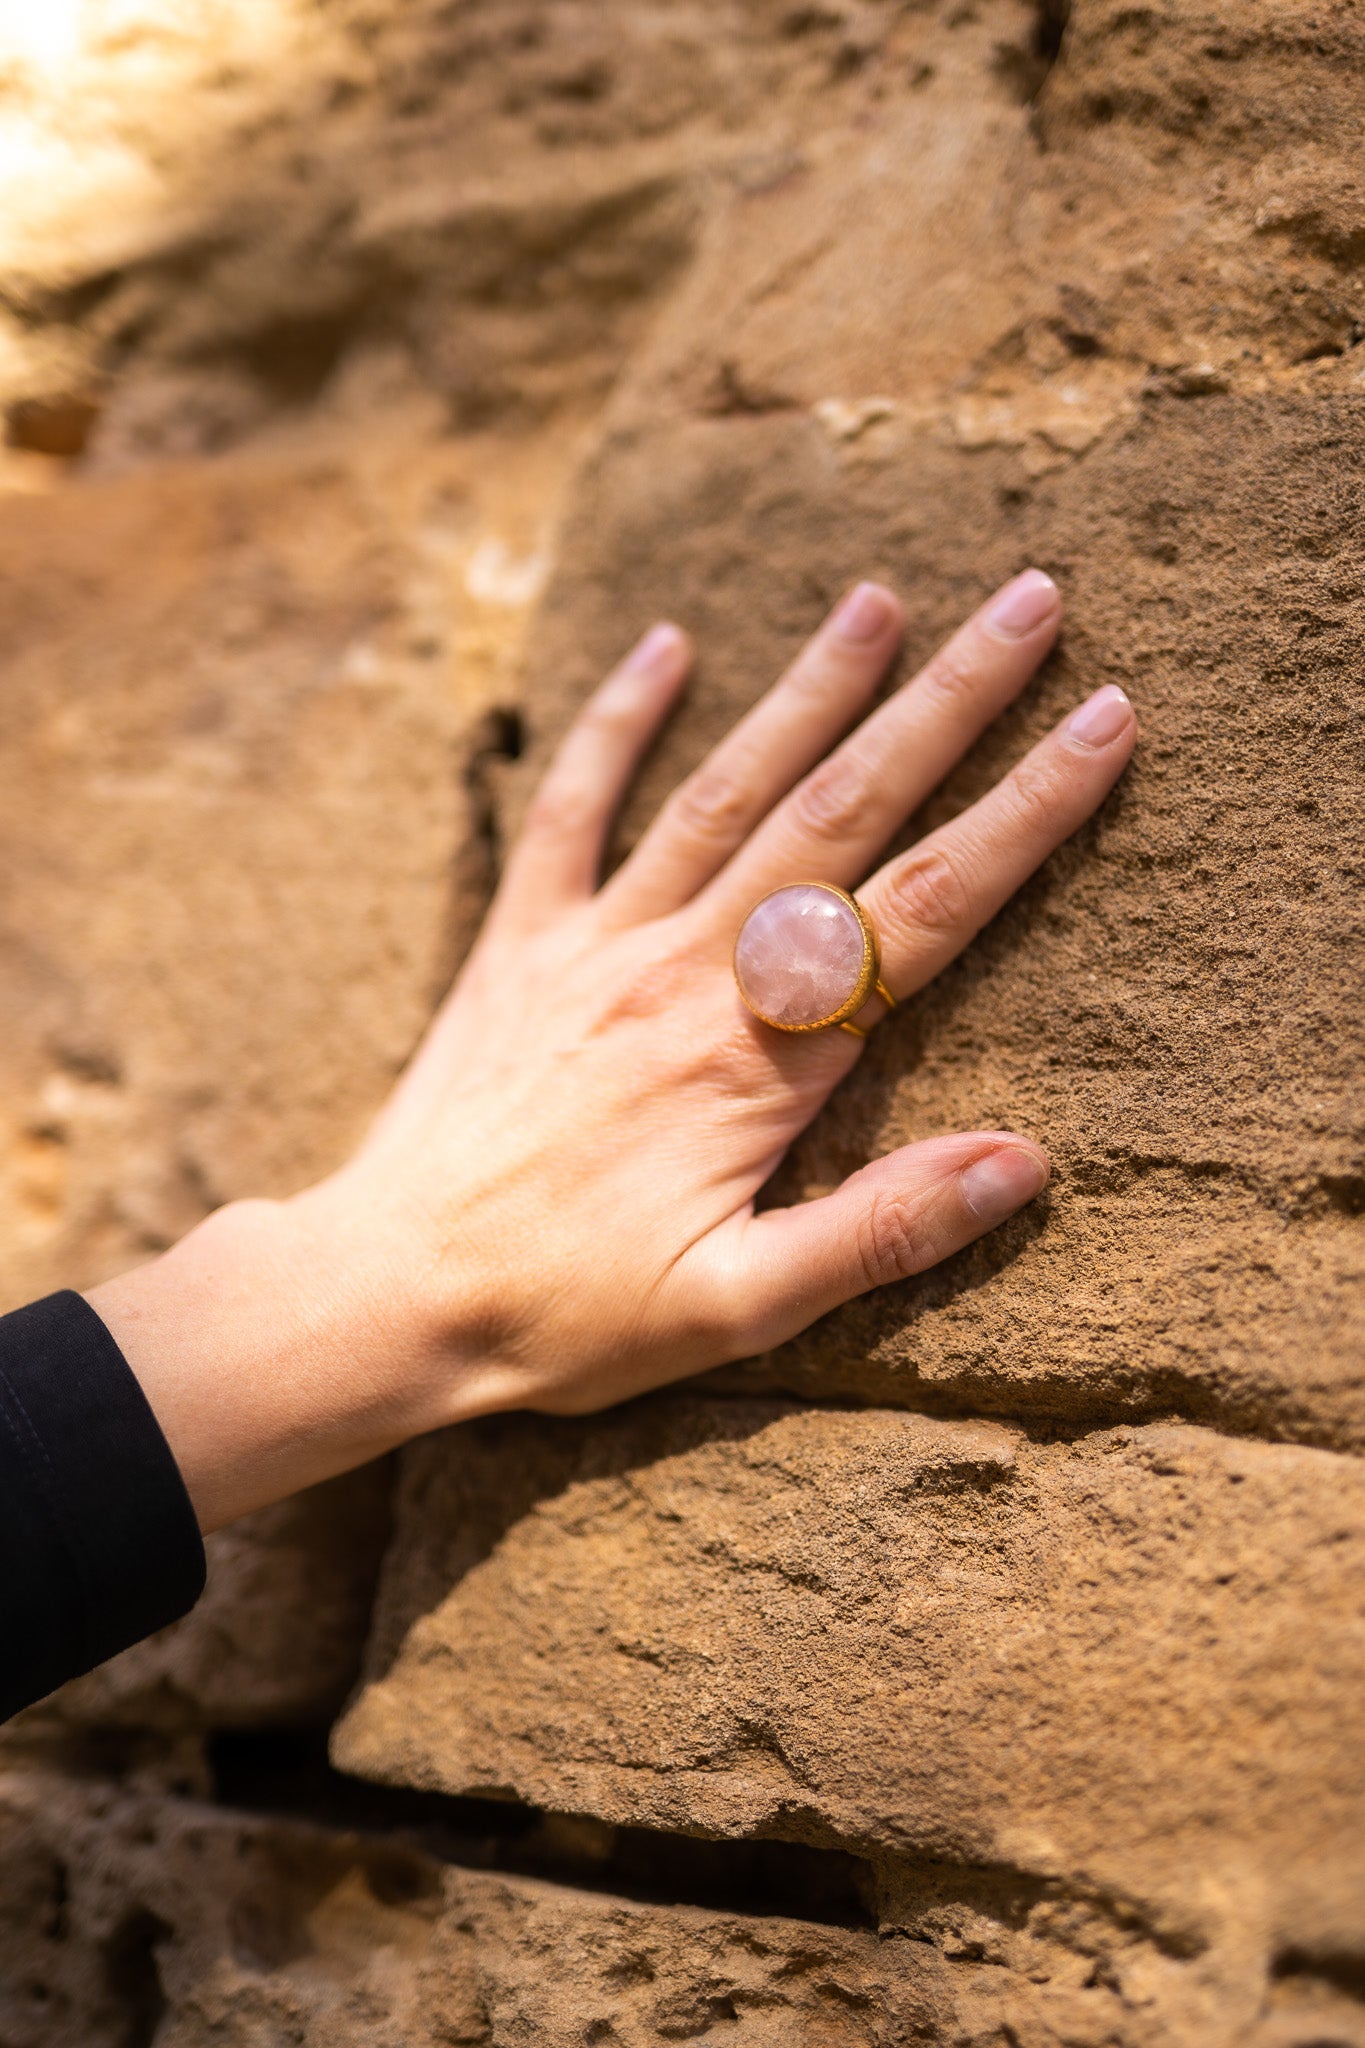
(339, 340)
(122, 1909)
(1128, 1667)
(126, 1917)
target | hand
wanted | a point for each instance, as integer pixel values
(556, 1208)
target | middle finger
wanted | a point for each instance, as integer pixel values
(836, 821)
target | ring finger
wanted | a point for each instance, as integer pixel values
(928, 904)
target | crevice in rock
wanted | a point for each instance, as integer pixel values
(964, 1910)
(132, 1975)
(1344, 1192)
(1160, 1396)
(969, 1913)
(498, 738)
(293, 357)
(1026, 71)
(286, 1773)
(1341, 1972)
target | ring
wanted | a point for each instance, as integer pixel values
(807, 958)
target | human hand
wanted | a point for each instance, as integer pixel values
(556, 1208)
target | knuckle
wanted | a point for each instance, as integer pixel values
(952, 673)
(610, 714)
(827, 804)
(812, 676)
(561, 809)
(1033, 793)
(932, 895)
(829, 667)
(712, 805)
(892, 1241)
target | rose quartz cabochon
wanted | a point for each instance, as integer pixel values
(799, 955)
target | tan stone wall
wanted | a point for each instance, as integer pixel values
(988, 1665)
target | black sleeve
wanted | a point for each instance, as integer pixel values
(98, 1540)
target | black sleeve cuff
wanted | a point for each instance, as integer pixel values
(98, 1540)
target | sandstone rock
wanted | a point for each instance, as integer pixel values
(194, 756)
(125, 1917)
(306, 323)
(1129, 1667)
(1157, 400)
(555, 1967)
(923, 254)
(479, 206)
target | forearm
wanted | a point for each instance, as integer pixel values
(281, 1343)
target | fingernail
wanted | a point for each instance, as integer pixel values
(1023, 604)
(995, 1186)
(864, 613)
(657, 653)
(1101, 718)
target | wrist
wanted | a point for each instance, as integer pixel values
(282, 1342)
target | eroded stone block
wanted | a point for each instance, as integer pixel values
(126, 1917)
(1129, 1665)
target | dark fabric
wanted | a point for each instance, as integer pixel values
(98, 1540)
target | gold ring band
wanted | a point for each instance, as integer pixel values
(839, 973)
(859, 1030)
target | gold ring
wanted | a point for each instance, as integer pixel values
(807, 958)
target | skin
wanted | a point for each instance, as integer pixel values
(555, 1209)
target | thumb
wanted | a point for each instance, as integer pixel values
(893, 1218)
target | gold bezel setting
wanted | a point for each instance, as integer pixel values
(868, 975)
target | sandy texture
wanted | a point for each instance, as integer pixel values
(1118, 1665)
(370, 376)
(131, 1917)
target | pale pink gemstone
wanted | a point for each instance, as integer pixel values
(799, 955)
